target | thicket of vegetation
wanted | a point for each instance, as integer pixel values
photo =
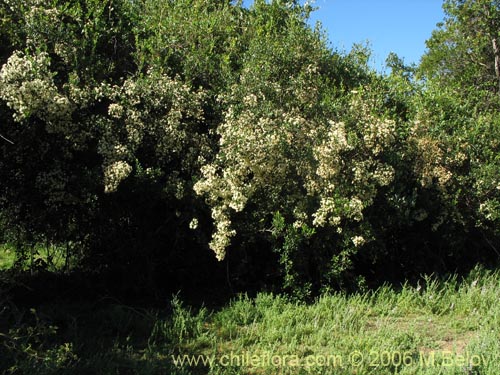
(151, 146)
(138, 135)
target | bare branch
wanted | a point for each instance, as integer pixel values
(6, 139)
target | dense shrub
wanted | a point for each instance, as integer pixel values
(141, 133)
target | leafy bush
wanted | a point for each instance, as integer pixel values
(134, 131)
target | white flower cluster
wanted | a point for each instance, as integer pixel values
(328, 154)
(349, 174)
(323, 216)
(378, 134)
(431, 165)
(115, 110)
(358, 241)
(356, 207)
(259, 151)
(39, 20)
(490, 209)
(223, 232)
(114, 174)
(268, 149)
(193, 224)
(14, 5)
(154, 109)
(383, 174)
(27, 86)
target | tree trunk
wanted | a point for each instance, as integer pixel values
(496, 52)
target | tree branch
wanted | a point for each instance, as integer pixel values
(6, 139)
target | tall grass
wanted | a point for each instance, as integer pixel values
(449, 327)
(434, 327)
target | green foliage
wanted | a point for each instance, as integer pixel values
(38, 258)
(200, 40)
(46, 110)
(133, 131)
(29, 348)
(293, 256)
(459, 115)
(136, 135)
(83, 119)
(462, 53)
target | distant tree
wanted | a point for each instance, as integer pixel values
(459, 114)
(465, 50)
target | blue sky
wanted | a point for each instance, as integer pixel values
(400, 26)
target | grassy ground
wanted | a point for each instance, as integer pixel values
(50, 257)
(7, 256)
(450, 327)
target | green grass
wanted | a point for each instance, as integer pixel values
(450, 327)
(51, 258)
(7, 256)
